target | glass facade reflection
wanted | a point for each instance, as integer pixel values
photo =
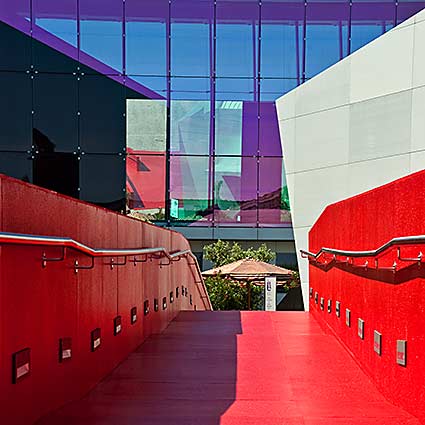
(167, 106)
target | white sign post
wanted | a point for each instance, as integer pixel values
(270, 293)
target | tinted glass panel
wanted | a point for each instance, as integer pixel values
(369, 20)
(236, 128)
(17, 14)
(18, 165)
(407, 8)
(190, 189)
(190, 126)
(236, 89)
(191, 28)
(15, 49)
(55, 113)
(101, 32)
(146, 37)
(327, 35)
(15, 111)
(269, 143)
(237, 38)
(186, 88)
(272, 89)
(282, 26)
(235, 191)
(273, 199)
(102, 180)
(102, 119)
(146, 185)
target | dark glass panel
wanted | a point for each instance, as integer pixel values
(102, 119)
(235, 190)
(269, 141)
(282, 26)
(146, 126)
(102, 180)
(15, 111)
(191, 30)
(273, 199)
(369, 20)
(190, 190)
(236, 127)
(57, 171)
(326, 35)
(55, 113)
(18, 165)
(146, 37)
(146, 185)
(101, 32)
(15, 49)
(237, 38)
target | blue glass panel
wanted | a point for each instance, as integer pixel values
(273, 88)
(326, 35)
(101, 32)
(191, 33)
(237, 38)
(282, 26)
(369, 20)
(190, 88)
(158, 85)
(146, 37)
(57, 18)
(236, 89)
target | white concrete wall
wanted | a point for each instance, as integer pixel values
(356, 126)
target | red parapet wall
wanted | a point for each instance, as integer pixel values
(396, 310)
(39, 306)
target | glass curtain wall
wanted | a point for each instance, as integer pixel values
(168, 105)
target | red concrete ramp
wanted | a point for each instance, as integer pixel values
(236, 368)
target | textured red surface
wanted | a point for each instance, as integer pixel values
(39, 306)
(231, 368)
(396, 311)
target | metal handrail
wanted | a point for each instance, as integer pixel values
(405, 240)
(64, 243)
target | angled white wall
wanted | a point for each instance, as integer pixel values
(356, 126)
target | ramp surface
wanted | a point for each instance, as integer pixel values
(236, 368)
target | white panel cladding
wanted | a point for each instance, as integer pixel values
(418, 119)
(383, 66)
(356, 126)
(380, 126)
(330, 147)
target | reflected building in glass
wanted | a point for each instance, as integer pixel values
(166, 107)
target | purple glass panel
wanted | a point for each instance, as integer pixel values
(101, 31)
(326, 35)
(237, 38)
(273, 201)
(191, 33)
(57, 18)
(406, 9)
(282, 25)
(146, 37)
(269, 143)
(17, 14)
(189, 190)
(235, 191)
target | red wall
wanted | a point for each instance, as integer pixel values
(38, 306)
(395, 310)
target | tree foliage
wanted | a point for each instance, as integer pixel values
(228, 294)
(223, 252)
